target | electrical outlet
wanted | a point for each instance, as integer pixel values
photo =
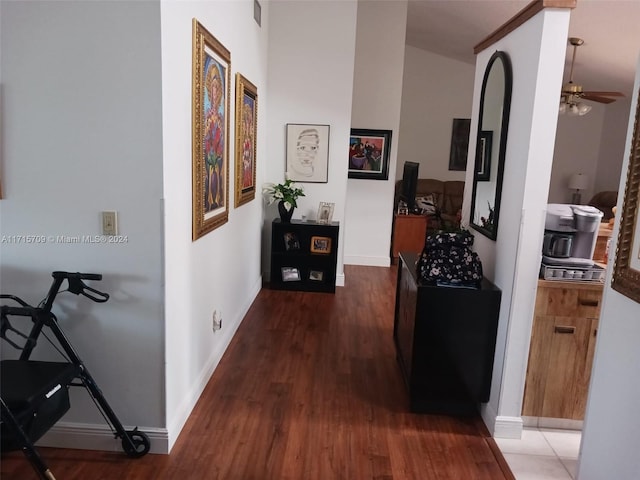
(109, 223)
(217, 321)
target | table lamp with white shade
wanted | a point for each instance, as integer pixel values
(577, 182)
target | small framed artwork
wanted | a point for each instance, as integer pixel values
(290, 274)
(325, 213)
(320, 244)
(210, 129)
(626, 269)
(316, 275)
(246, 131)
(307, 153)
(459, 143)
(291, 241)
(369, 154)
(483, 163)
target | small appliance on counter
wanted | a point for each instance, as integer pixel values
(569, 241)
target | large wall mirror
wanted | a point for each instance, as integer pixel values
(493, 123)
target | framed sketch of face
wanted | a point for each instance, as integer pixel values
(307, 153)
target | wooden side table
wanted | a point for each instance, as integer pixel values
(409, 233)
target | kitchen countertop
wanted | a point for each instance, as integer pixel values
(571, 284)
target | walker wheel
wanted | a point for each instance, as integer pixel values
(140, 441)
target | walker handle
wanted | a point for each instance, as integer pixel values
(77, 286)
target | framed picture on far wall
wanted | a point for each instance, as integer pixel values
(369, 154)
(307, 153)
(246, 131)
(210, 130)
(459, 143)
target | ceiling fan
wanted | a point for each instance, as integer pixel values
(572, 93)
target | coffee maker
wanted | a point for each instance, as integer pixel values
(570, 235)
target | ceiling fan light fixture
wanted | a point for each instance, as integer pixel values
(572, 92)
(583, 108)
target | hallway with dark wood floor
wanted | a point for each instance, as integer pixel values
(309, 389)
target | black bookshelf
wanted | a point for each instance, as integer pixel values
(304, 256)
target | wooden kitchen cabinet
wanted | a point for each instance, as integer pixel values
(561, 352)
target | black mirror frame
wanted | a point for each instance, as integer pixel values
(506, 106)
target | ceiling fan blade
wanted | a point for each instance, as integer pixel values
(597, 98)
(604, 94)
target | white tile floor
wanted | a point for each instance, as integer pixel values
(542, 454)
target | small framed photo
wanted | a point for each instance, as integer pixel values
(316, 275)
(290, 274)
(307, 153)
(320, 244)
(325, 212)
(291, 241)
(369, 154)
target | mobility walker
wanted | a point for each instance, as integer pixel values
(34, 394)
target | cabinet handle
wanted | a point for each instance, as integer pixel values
(588, 303)
(564, 329)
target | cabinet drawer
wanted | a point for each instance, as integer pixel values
(569, 302)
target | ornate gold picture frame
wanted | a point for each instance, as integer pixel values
(626, 270)
(246, 136)
(210, 124)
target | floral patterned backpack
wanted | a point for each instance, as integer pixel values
(447, 260)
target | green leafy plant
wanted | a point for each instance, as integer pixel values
(488, 222)
(284, 192)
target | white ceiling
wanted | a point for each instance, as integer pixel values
(610, 30)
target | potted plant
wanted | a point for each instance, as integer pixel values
(286, 195)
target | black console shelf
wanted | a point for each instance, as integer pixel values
(445, 342)
(304, 256)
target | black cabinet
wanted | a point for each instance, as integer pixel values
(445, 341)
(304, 256)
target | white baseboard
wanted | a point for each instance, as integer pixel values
(367, 261)
(508, 427)
(500, 426)
(84, 436)
(556, 423)
(340, 280)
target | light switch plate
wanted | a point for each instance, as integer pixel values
(109, 223)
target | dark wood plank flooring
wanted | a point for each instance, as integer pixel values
(309, 389)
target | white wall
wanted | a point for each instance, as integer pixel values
(612, 144)
(611, 431)
(577, 150)
(512, 262)
(82, 89)
(311, 58)
(435, 90)
(221, 270)
(592, 144)
(377, 94)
